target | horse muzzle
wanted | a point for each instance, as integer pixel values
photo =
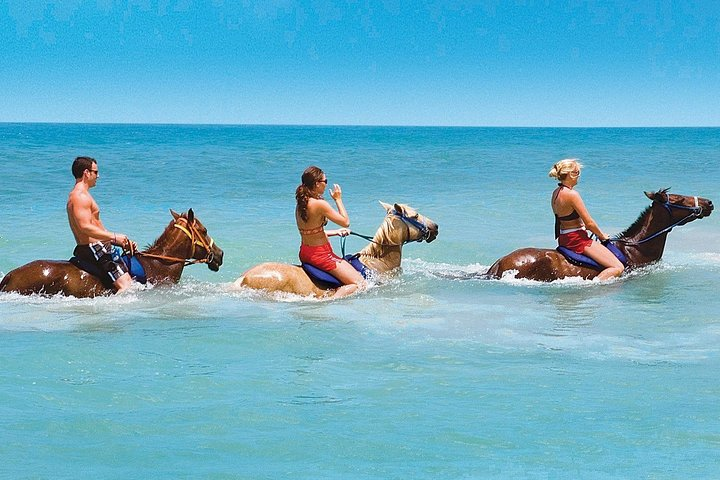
(708, 209)
(432, 232)
(704, 207)
(215, 259)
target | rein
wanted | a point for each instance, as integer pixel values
(195, 239)
(694, 212)
(422, 226)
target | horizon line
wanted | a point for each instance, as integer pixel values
(351, 125)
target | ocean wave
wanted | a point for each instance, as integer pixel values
(70, 302)
(670, 348)
(476, 272)
(473, 271)
(58, 312)
(711, 258)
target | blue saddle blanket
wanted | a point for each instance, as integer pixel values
(325, 277)
(585, 261)
(137, 272)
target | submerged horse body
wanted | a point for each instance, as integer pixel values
(184, 241)
(383, 254)
(642, 243)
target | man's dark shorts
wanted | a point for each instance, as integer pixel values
(101, 255)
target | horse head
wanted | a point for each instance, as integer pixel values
(681, 208)
(199, 245)
(405, 224)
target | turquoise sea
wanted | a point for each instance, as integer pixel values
(436, 374)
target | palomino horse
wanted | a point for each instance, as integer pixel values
(185, 241)
(401, 225)
(642, 243)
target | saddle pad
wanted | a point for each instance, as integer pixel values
(585, 261)
(325, 277)
(137, 272)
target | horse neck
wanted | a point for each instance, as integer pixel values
(169, 244)
(383, 253)
(639, 254)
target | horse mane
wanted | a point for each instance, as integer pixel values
(155, 244)
(636, 226)
(381, 237)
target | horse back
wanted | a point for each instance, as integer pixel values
(52, 277)
(280, 277)
(541, 264)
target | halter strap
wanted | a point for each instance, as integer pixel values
(192, 235)
(422, 226)
(694, 212)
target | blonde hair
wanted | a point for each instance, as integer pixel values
(563, 167)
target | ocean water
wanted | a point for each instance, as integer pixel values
(435, 374)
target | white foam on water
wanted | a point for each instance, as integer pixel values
(58, 312)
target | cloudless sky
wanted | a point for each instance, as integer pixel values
(364, 62)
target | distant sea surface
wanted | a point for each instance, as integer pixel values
(435, 374)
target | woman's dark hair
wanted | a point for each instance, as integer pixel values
(80, 165)
(310, 177)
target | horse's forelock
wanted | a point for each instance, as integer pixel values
(663, 194)
(405, 209)
(409, 211)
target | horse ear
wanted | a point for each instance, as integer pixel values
(191, 215)
(388, 208)
(399, 208)
(660, 196)
(174, 214)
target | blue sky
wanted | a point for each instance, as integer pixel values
(364, 62)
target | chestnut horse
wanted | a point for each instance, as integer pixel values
(401, 225)
(642, 243)
(185, 241)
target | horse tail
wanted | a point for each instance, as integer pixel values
(3, 283)
(239, 282)
(493, 271)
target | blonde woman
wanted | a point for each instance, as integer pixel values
(572, 220)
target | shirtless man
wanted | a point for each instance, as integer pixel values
(94, 242)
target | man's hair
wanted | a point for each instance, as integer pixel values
(80, 165)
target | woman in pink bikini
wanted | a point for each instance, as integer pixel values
(312, 214)
(572, 220)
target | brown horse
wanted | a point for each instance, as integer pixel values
(642, 243)
(184, 238)
(401, 225)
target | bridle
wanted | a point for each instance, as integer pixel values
(196, 239)
(407, 221)
(694, 212)
(421, 226)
